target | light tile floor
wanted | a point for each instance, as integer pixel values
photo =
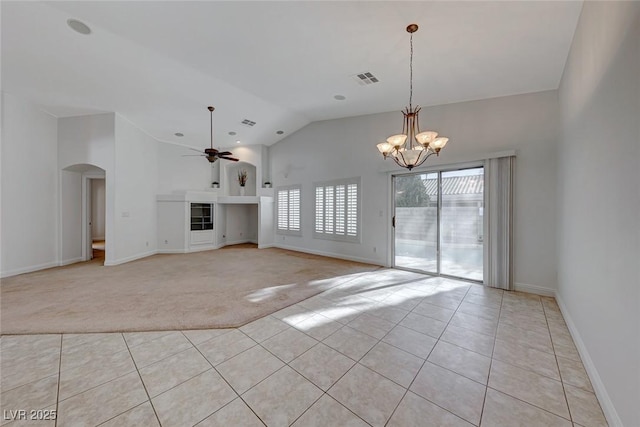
(388, 348)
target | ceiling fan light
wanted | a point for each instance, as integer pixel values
(426, 137)
(397, 140)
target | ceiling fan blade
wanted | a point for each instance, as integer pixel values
(193, 149)
(230, 158)
(225, 153)
(193, 155)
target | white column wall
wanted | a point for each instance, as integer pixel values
(29, 192)
(599, 202)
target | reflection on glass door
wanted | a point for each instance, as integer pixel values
(416, 222)
(439, 222)
(461, 223)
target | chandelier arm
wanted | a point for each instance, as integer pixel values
(424, 159)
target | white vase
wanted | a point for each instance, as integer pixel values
(242, 191)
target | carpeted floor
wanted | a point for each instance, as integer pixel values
(214, 289)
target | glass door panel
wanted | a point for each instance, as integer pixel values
(416, 222)
(461, 223)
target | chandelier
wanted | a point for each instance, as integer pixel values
(411, 148)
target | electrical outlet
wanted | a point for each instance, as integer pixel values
(147, 243)
(166, 242)
(374, 249)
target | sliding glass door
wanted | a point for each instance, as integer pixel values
(439, 222)
(416, 222)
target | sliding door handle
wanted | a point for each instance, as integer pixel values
(393, 221)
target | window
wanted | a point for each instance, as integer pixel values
(337, 213)
(288, 205)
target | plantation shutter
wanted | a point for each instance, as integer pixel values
(337, 210)
(288, 215)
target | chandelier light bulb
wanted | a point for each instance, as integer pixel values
(439, 143)
(397, 140)
(426, 137)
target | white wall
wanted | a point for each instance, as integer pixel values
(29, 198)
(241, 224)
(88, 140)
(98, 208)
(599, 202)
(136, 183)
(176, 172)
(71, 218)
(346, 148)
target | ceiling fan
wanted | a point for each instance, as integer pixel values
(211, 153)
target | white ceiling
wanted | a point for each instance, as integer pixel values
(160, 63)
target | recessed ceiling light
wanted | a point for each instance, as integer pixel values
(232, 133)
(340, 97)
(238, 142)
(180, 134)
(280, 132)
(78, 26)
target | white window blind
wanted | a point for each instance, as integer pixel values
(288, 205)
(338, 210)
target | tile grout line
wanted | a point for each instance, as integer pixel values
(141, 380)
(239, 396)
(407, 390)
(520, 399)
(59, 377)
(493, 349)
(555, 356)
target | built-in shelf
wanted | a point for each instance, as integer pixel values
(194, 220)
(241, 200)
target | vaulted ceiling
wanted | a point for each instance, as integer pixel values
(279, 64)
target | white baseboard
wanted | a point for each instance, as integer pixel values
(129, 259)
(328, 254)
(609, 410)
(203, 248)
(534, 289)
(270, 245)
(29, 269)
(171, 251)
(239, 242)
(70, 261)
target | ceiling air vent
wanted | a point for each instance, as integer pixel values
(365, 78)
(248, 122)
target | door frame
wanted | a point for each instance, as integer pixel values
(87, 238)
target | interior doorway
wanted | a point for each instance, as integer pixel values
(93, 215)
(438, 222)
(97, 217)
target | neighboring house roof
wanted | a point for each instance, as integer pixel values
(471, 184)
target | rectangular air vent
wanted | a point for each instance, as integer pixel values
(365, 78)
(248, 122)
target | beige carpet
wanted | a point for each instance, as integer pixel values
(213, 289)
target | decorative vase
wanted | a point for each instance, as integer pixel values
(242, 191)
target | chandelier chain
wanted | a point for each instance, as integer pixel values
(411, 71)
